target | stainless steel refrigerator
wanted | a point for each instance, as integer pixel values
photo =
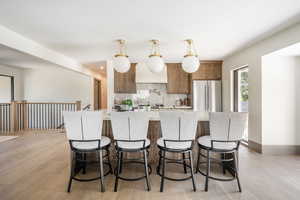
(207, 96)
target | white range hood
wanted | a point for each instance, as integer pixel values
(144, 75)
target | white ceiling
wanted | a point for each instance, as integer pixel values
(16, 58)
(86, 30)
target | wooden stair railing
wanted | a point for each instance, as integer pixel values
(5, 117)
(62, 125)
(23, 115)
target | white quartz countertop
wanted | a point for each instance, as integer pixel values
(154, 115)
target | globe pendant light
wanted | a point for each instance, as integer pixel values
(121, 62)
(155, 62)
(190, 62)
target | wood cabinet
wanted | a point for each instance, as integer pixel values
(178, 80)
(209, 70)
(125, 82)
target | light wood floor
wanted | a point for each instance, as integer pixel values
(36, 166)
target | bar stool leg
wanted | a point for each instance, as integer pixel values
(163, 172)
(237, 159)
(72, 169)
(223, 156)
(118, 171)
(159, 162)
(184, 163)
(236, 171)
(84, 165)
(108, 160)
(146, 170)
(101, 171)
(192, 170)
(121, 164)
(198, 159)
(207, 170)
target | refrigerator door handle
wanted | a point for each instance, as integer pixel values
(205, 97)
(208, 97)
(211, 101)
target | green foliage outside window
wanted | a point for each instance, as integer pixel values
(244, 86)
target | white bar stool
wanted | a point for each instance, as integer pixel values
(226, 132)
(130, 131)
(178, 134)
(84, 130)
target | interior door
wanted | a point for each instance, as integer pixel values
(97, 94)
(240, 80)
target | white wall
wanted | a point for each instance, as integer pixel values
(297, 83)
(280, 89)
(110, 85)
(252, 57)
(56, 84)
(17, 73)
(5, 89)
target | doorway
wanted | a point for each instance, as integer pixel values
(97, 94)
(6, 89)
(240, 91)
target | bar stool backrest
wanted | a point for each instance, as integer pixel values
(92, 122)
(227, 126)
(120, 125)
(139, 123)
(129, 125)
(85, 125)
(238, 123)
(178, 125)
(73, 124)
(219, 125)
(169, 122)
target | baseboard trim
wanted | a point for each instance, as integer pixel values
(281, 149)
(255, 146)
(274, 149)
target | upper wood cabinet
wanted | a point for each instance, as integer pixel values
(125, 82)
(209, 70)
(178, 80)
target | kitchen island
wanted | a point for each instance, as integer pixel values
(154, 132)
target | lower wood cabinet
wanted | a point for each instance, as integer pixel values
(125, 82)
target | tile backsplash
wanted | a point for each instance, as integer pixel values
(152, 94)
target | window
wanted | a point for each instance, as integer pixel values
(241, 92)
(6, 89)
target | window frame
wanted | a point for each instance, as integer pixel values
(236, 91)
